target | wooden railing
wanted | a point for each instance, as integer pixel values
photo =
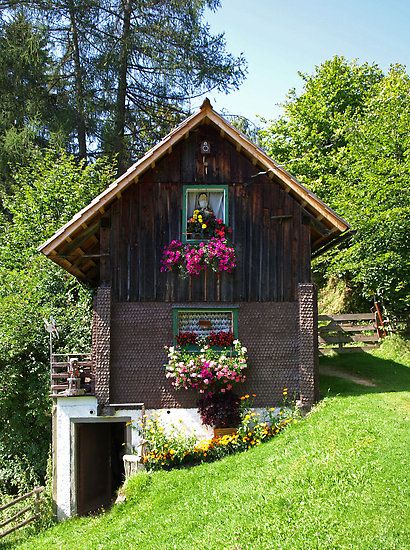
(348, 332)
(33, 508)
(72, 374)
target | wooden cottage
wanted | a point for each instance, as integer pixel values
(116, 245)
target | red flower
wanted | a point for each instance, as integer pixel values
(186, 338)
(221, 339)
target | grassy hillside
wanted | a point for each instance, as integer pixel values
(338, 479)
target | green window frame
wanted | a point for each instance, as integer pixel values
(198, 189)
(176, 311)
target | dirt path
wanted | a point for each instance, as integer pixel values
(331, 371)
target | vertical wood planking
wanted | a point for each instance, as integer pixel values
(273, 254)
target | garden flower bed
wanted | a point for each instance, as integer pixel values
(167, 449)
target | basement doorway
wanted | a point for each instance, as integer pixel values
(100, 447)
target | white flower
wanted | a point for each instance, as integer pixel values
(244, 350)
(171, 350)
(236, 342)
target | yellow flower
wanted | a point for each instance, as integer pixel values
(247, 396)
(204, 226)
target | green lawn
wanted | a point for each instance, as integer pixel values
(337, 479)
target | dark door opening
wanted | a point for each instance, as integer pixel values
(100, 468)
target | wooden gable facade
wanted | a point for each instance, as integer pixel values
(116, 244)
(270, 231)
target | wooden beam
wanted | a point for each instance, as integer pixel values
(316, 224)
(323, 238)
(78, 241)
(65, 264)
(283, 217)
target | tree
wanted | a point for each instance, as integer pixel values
(310, 138)
(156, 56)
(345, 136)
(131, 67)
(30, 115)
(375, 178)
(49, 192)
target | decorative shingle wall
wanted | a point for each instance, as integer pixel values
(308, 345)
(101, 343)
(139, 331)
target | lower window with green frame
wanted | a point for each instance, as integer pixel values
(195, 327)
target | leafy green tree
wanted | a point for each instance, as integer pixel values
(374, 181)
(50, 191)
(311, 136)
(345, 136)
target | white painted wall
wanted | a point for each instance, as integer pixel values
(185, 420)
(67, 409)
(71, 410)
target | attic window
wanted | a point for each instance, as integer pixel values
(201, 208)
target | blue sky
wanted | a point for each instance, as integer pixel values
(281, 37)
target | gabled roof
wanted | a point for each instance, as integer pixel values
(81, 232)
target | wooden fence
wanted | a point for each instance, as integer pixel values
(349, 332)
(33, 507)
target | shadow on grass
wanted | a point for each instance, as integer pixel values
(386, 374)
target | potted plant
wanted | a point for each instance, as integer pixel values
(220, 411)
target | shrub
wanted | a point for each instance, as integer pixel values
(220, 410)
